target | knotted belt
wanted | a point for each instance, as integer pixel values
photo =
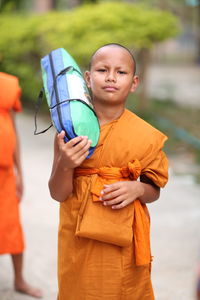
(141, 220)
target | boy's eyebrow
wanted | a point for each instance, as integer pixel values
(107, 66)
(101, 64)
(115, 45)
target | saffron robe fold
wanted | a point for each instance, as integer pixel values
(117, 227)
(11, 236)
(96, 267)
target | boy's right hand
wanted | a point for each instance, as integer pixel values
(74, 152)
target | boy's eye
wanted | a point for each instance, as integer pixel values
(101, 70)
(121, 72)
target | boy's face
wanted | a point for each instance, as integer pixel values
(111, 77)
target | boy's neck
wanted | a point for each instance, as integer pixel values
(108, 114)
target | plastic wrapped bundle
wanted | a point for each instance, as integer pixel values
(68, 97)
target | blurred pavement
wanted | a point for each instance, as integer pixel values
(175, 227)
(180, 83)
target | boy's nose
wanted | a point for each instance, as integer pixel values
(111, 77)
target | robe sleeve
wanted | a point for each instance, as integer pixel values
(155, 163)
(17, 103)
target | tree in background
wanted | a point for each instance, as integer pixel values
(44, 5)
(11, 5)
(80, 31)
(188, 12)
(198, 33)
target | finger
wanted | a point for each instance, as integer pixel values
(60, 138)
(19, 199)
(84, 148)
(82, 153)
(19, 195)
(110, 188)
(113, 201)
(62, 133)
(111, 195)
(75, 141)
(120, 205)
(77, 146)
(82, 158)
(81, 148)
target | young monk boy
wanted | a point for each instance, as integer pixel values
(104, 247)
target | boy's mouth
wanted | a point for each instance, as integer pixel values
(110, 88)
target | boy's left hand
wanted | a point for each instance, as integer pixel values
(121, 193)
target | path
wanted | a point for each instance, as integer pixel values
(179, 83)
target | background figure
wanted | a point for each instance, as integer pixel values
(11, 183)
(198, 283)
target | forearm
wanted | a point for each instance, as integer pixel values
(67, 156)
(149, 193)
(61, 182)
(17, 160)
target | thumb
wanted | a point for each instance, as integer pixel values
(60, 138)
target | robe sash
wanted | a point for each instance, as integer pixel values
(119, 227)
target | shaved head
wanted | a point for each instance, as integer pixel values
(114, 45)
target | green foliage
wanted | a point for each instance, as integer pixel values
(25, 39)
(19, 53)
(166, 2)
(10, 5)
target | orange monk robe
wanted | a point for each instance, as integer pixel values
(11, 237)
(92, 269)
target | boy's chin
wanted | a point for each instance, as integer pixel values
(113, 101)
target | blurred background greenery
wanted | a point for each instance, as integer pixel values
(164, 35)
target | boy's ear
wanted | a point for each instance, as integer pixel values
(134, 83)
(87, 78)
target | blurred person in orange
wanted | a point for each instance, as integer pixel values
(104, 232)
(198, 284)
(11, 182)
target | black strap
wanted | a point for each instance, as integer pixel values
(40, 98)
(65, 70)
(37, 107)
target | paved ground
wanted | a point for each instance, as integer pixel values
(180, 83)
(175, 227)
